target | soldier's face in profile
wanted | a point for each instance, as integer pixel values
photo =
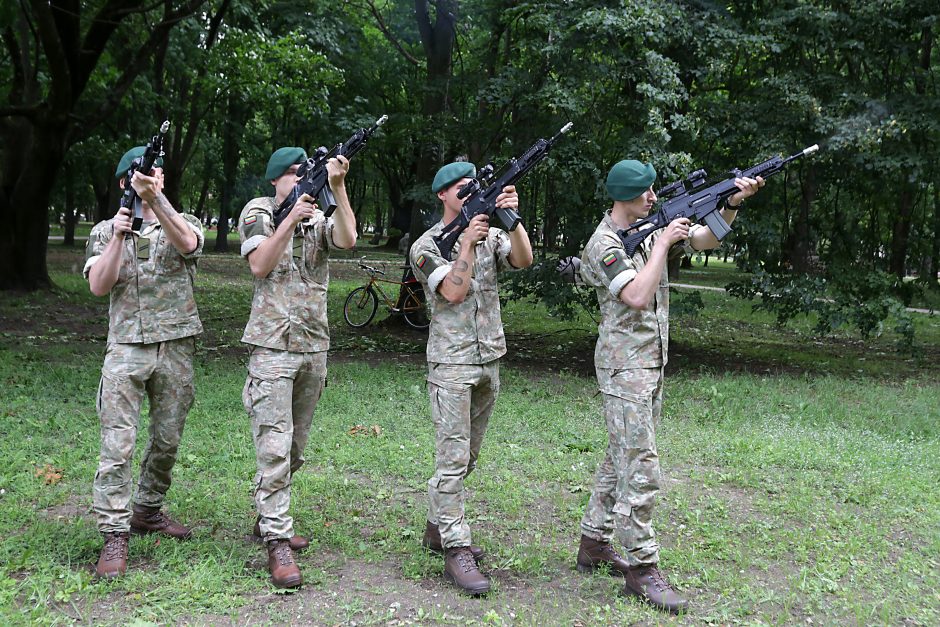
(284, 184)
(448, 195)
(641, 206)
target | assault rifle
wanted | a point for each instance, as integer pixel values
(313, 175)
(481, 192)
(690, 198)
(142, 164)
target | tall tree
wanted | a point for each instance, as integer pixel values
(52, 51)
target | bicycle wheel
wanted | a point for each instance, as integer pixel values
(415, 309)
(360, 307)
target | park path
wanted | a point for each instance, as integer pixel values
(387, 262)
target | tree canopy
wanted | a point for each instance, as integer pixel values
(685, 85)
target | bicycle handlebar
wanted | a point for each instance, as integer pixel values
(370, 269)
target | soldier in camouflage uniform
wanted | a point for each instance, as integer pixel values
(632, 349)
(152, 323)
(465, 343)
(288, 337)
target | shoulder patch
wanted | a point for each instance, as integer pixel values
(426, 264)
(613, 263)
(253, 222)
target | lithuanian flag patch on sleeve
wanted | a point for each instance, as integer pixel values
(250, 220)
(612, 263)
(420, 261)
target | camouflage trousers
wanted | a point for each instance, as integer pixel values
(628, 479)
(462, 401)
(280, 395)
(163, 371)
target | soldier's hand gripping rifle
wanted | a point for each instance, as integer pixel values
(692, 199)
(481, 192)
(143, 164)
(314, 179)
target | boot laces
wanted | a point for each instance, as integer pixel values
(115, 546)
(282, 553)
(465, 560)
(610, 553)
(658, 580)
(160, 519)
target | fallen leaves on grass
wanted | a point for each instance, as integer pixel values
(49, 474)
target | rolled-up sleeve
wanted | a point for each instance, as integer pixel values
(196, 226)
(502, 246)
(254, 226)
(611, 266)
(428, 265)
(94, 247)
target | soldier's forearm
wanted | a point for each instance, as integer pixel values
(104, 274)
(521, 254)
(456, 282)
(344, 229)
(177, 230)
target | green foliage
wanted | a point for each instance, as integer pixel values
(863, 301)
(546, 283)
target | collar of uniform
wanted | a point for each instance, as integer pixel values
(149, 227)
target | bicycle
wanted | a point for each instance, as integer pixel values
(362, 303)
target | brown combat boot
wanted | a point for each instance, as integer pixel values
(113, 559)
(152, 520)
(297, 543)
(284, 571)
(432, 542)
(592, 553)
(649, 584)
(461, 569)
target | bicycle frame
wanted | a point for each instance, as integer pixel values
(375, 283)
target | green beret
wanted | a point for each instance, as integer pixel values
(125, 164)
(629, 178)
(451, 173)
(282, 159)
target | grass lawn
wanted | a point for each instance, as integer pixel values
(801, 474)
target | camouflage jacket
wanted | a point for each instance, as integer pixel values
(152, 300)
(288, 309)
(470, 332)
(627, 338)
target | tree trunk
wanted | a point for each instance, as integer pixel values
(70, 217)
(935, 247)
(438, 42)
(901, 231)
(25, 210)
(231, 129)
(800, 240)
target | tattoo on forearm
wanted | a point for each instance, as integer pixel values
(163, 205)
(459, 266)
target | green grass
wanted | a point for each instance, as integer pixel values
(800, 476)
